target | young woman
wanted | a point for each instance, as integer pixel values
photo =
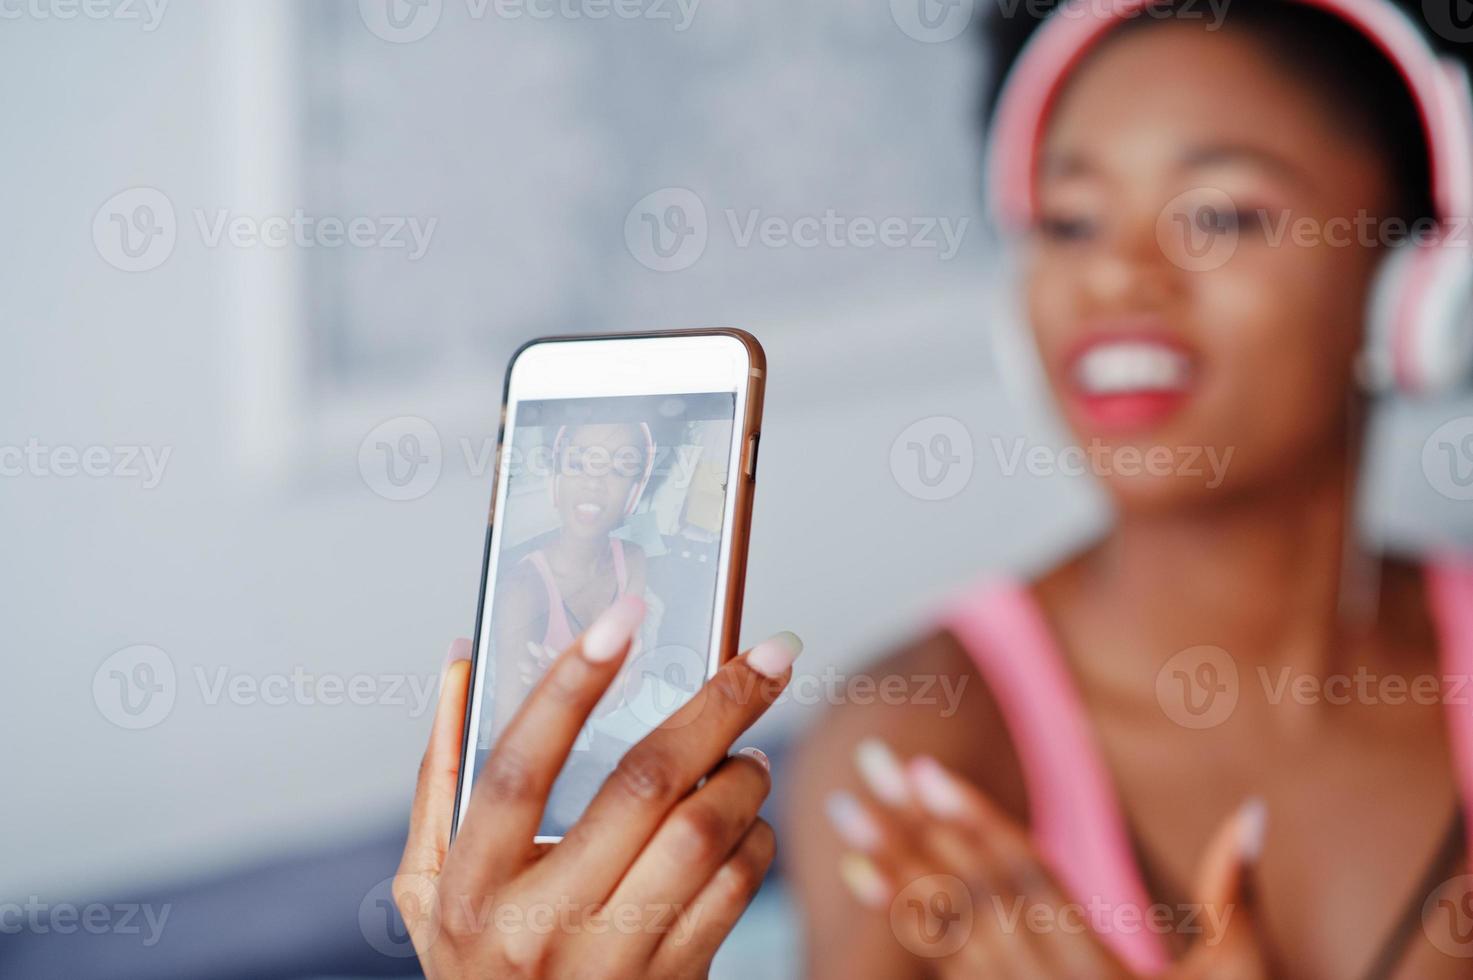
(1130, 786)
(549, 596)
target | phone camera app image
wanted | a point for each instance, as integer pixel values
(606, 498)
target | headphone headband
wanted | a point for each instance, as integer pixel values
(635, 492)
(1439, 87)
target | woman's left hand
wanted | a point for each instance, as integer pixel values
(965, 889)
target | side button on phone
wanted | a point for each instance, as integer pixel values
(751, 465)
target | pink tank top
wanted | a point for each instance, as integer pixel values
(1078, 824)
(559, 635)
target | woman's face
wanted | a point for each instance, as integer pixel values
(1182, 311)
(598, 468)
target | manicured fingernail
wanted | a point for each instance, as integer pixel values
(864, 880)
(881, 771)
(612, 630)
(460, 649)
(756, 754)
(1252, 828)
(855, 826)
(775, 654)
(936, 788)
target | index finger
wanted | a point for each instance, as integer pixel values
(511, 790)
(657, 772)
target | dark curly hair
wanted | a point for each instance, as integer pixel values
(1356, 80)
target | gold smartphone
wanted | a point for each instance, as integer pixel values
(625, 464)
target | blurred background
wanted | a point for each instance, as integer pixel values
(249, 241)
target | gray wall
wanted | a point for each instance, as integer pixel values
(264, 550)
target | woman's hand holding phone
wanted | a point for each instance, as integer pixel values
(654, 875)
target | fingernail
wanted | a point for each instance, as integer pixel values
(460, 649)
(864, 880)
(1252, 828)
(937, 789)
(752, 752)
(855, 826)
(881, 771)
(612, 630)
(775, 654)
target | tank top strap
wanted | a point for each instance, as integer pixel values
(559, 632)
(1450, 597)
(1077, 821)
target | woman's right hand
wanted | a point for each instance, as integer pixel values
(654, 875)
(929, 842)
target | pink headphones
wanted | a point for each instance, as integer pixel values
(634, 493)
(1419, 329)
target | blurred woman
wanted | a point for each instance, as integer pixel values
(1140, 778)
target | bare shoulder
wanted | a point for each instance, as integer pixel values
(928, 697)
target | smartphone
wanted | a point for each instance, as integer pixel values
(625, 464)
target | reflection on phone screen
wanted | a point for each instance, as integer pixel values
(607, 497)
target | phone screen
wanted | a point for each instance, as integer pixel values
(604, 497)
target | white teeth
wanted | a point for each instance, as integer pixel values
(1133, 365)
(589, 509)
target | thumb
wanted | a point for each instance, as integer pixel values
(1224, 886)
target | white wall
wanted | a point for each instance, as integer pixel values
(229, 566)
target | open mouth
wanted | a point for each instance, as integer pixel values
(588, 513)
(1133, 382)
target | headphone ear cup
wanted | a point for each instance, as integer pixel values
(1419, 328)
